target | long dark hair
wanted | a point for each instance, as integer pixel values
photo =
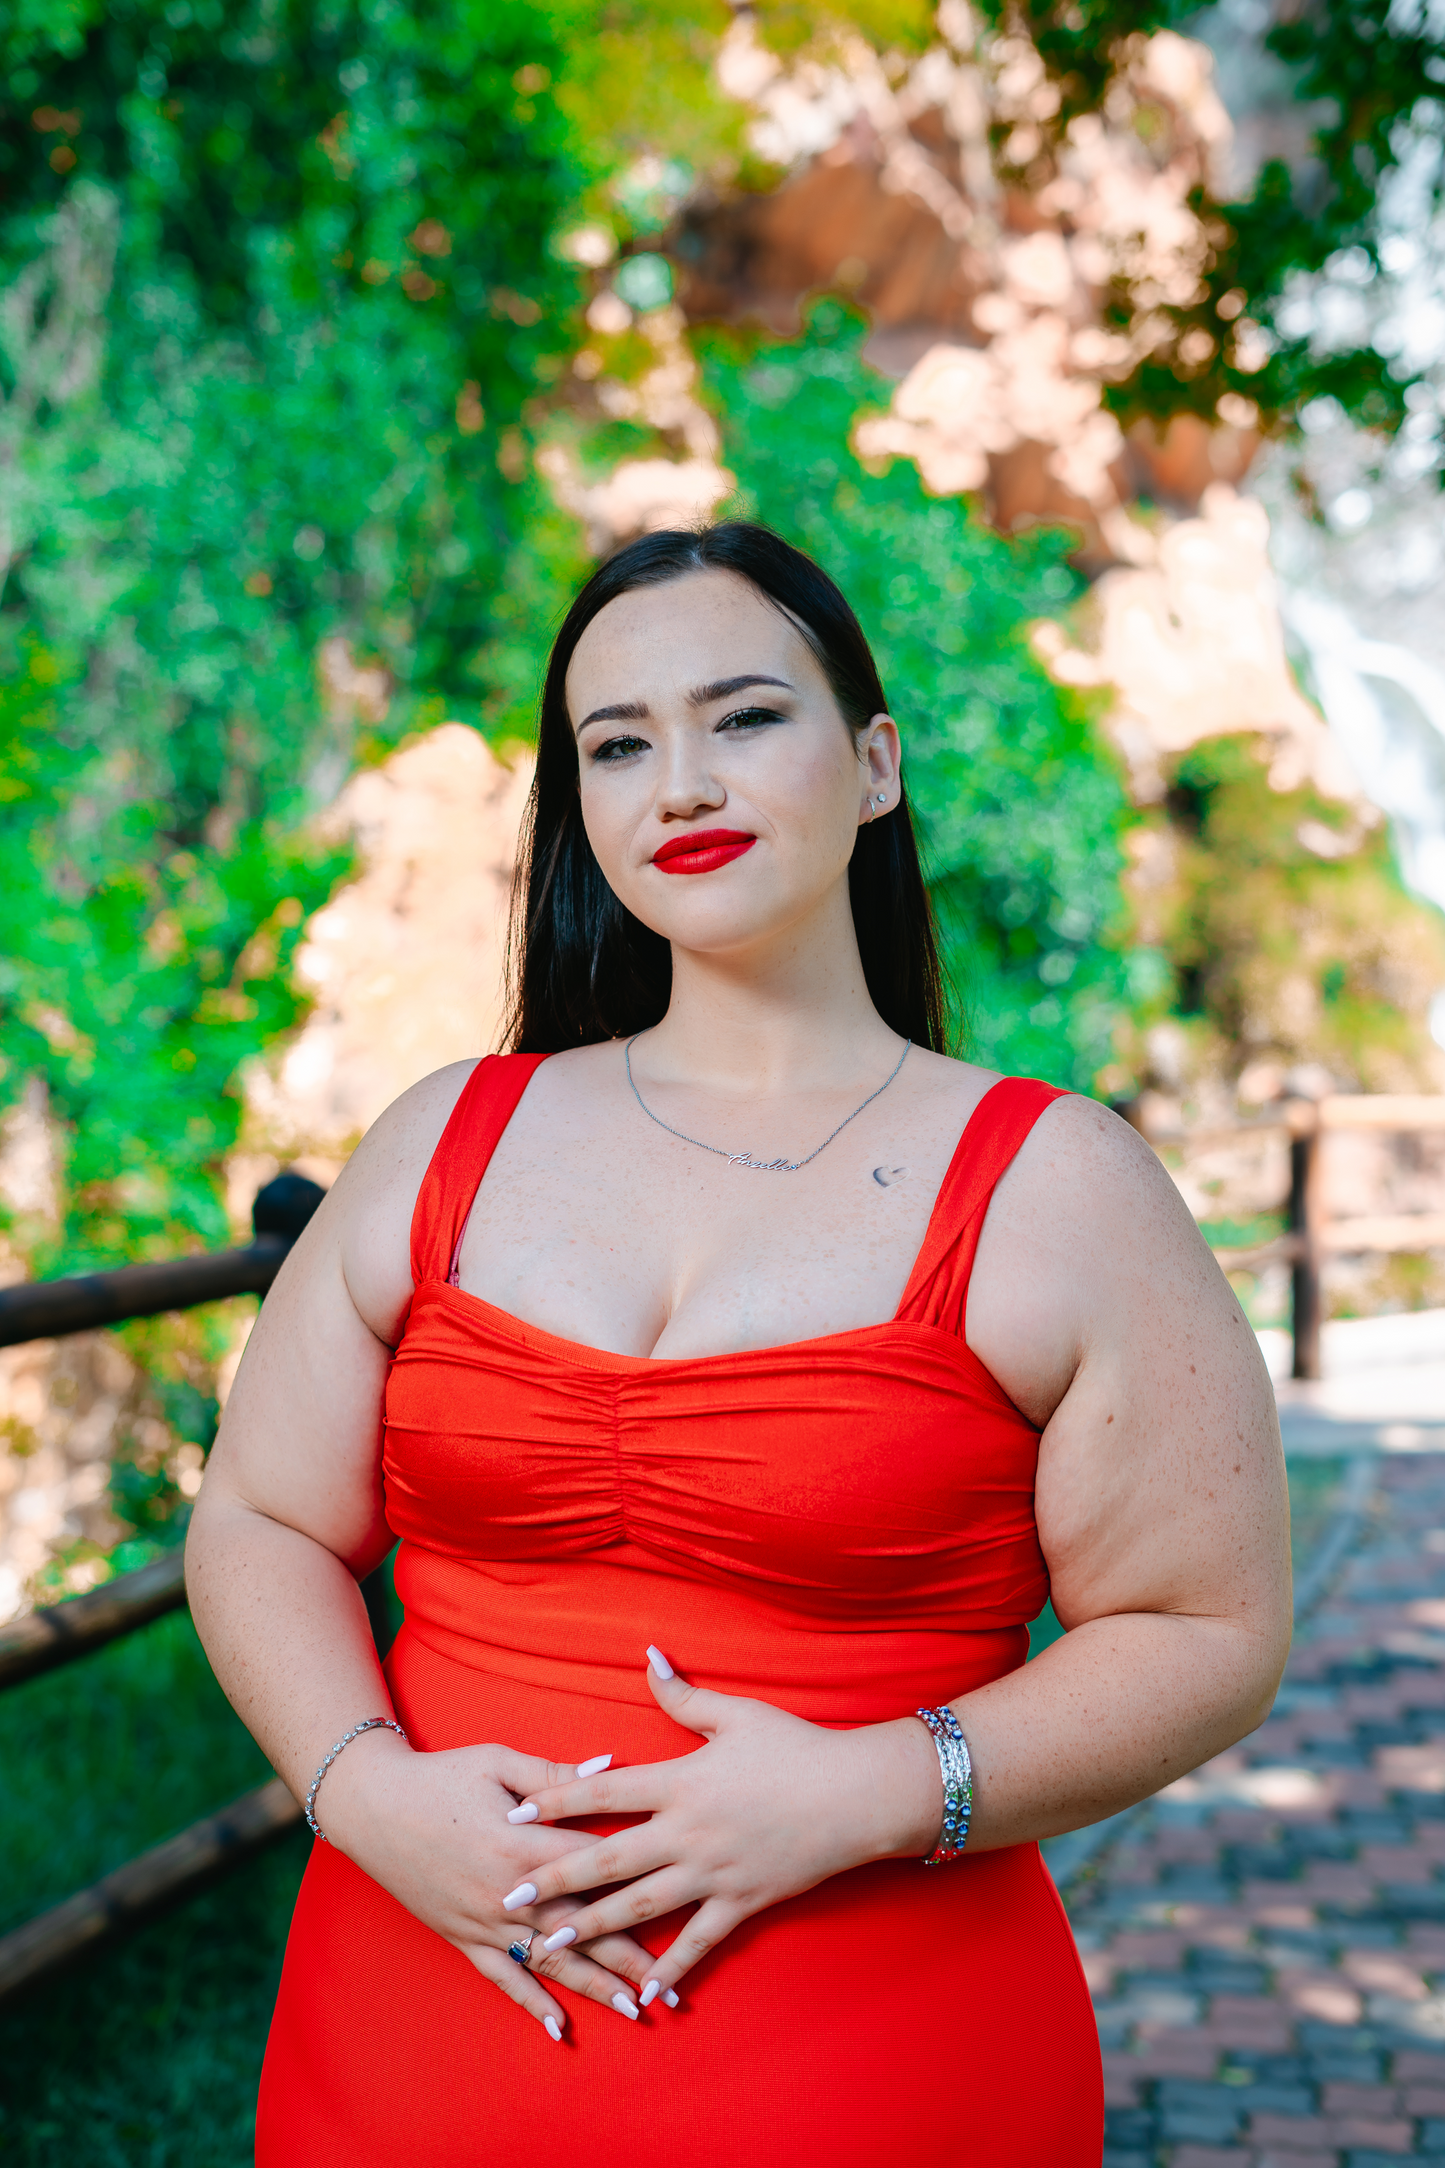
(580, 966)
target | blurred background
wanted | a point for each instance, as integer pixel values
(1097, 349)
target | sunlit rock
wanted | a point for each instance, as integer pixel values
(1194, 648)
(405, 962)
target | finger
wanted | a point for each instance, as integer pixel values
(623, 1791)
(575, 1970)
(618, 1858)
(619, 1954)
(692, 1706)
(704, 1931)
(517, 1983)
(524, 1773)
(623, 1909)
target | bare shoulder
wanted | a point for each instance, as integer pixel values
(1098, 1182)
(1087, 1246)
(577, 1075)
(946, 1088)
(412, 1125)
(369, 1212)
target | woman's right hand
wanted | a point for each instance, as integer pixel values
(432, 1829)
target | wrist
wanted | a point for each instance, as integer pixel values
(955, 1768)
(357, 1787)
(904, 1809)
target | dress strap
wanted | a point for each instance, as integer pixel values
(937, 1290)
(487, 1103)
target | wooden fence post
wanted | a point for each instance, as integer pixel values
(1306, 1214)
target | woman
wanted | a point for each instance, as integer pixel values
(740, 1374)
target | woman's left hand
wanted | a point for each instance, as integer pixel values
(769, 1806)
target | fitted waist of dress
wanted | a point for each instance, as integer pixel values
(583, 1625)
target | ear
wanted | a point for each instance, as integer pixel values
(880, 753)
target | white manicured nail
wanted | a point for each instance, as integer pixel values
(527, 1813)
(624, 2003)
(525, 1893)
(650, 1993)
(669, 1996)
(660, 1664)
(595, 1767)
(560, 1940)
(553, 2027)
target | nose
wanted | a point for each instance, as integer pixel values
(686, 783)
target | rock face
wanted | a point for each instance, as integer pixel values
(1192, 647)
(991, 251)
(406, 961)
(62, 1403)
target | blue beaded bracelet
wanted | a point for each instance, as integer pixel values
(957, 1771)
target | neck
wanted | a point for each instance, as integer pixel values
(791, 1015)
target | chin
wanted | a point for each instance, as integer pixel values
(712, 931)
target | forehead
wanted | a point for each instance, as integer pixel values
(657, 641)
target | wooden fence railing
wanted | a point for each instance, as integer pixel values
(59, 1633)
(1315, 1230)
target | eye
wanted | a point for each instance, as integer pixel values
(615, 749)
(750, 718)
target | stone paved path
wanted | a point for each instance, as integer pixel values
(1266, 1942)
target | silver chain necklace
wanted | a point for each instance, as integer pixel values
(745, 1159)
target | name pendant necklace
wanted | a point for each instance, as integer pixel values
(745, 1159)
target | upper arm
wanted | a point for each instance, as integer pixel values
(1101, 1311)
(301, 1437)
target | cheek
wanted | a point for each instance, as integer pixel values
(814, 794)
(601, 811)
(609, 819)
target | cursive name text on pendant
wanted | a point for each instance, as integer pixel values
(762, 1166)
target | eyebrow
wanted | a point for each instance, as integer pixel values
(701, 696)
(625, 711)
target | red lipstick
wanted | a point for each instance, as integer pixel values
(702, 851)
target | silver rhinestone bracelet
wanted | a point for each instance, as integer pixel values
(957, 1772)
(373, 1723)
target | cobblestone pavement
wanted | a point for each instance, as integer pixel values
(1266, 1942)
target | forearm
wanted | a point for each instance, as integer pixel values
(283, 1622)
(1107, 1716)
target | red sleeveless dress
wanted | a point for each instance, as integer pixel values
(843, 1527)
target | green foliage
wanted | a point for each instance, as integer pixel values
(1281, 950)
(279, 290)
(146, 1501)
(1376, 71)
(1374, 75)
(1020, 803)
(1369, 66)
(332, 297)
(901, 26)
(136, 976)
(283, 284)
(637, 82)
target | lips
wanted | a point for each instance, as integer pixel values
(702, 851)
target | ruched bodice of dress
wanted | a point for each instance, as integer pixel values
(843, 1527)
(817, 1488)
